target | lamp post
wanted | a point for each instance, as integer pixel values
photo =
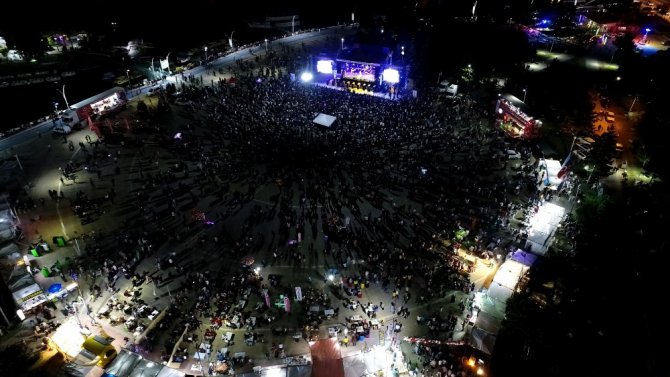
(590, 170)
(646, 34)
(266, 45)
(525, 92)
(167, 60)
(293, 25)
(402, 52)
(342, 43)
(128, 76)
(62, 92)
(205, 54)
(230, 40)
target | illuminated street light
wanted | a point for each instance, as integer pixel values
(331, 277)
(342, 40)
(257, 270)
(525, 92)
(230, 40)
(62, 92)
(618, 78)
(205, 53)
(646, 34)
(128, 75)
(266, 45)
(590, 170)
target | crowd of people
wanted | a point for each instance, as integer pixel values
(378, 199)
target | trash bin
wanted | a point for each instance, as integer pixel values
(45, 272)
(59, 241)
(34, 252)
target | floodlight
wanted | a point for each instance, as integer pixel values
(391, 75)
(306, 76)
(324, 66)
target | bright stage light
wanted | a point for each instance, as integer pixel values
(324, 66)
(306, 76)
(391, 75)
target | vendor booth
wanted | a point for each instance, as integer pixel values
(514, 119)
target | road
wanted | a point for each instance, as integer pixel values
(44, 128)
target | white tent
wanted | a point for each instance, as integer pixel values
(482, 340)
(509, 274)
(325, 120)
(10, 251)
(552, 168)
(542, 226)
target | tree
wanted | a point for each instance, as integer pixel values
(30, 43)
(602, 154)
(142, 107)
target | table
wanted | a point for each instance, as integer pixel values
(241, 304)
(329, 312)
(228, 336)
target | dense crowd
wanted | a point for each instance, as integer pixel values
(379, 198)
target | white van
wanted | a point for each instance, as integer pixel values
(61, 129)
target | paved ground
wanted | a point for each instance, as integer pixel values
(42, 156)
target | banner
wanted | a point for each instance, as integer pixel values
(267, 297)
(298, 294)
(165, 64)
(287, 304)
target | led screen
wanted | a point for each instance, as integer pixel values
(357, 71)
(391, 75)
(324, 66)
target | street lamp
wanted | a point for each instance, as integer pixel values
(167, 60)
(128, 75)
(525, 92)
(230, 39)
(590, 170)
(342, 43)
(646, 34)
(205, 54)
(62, 92)
(266, 45)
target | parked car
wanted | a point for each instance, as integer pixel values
(619, 147)
(580, 155)
(584, 148)
(61, 130)
(585, 140)
(513, 155)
